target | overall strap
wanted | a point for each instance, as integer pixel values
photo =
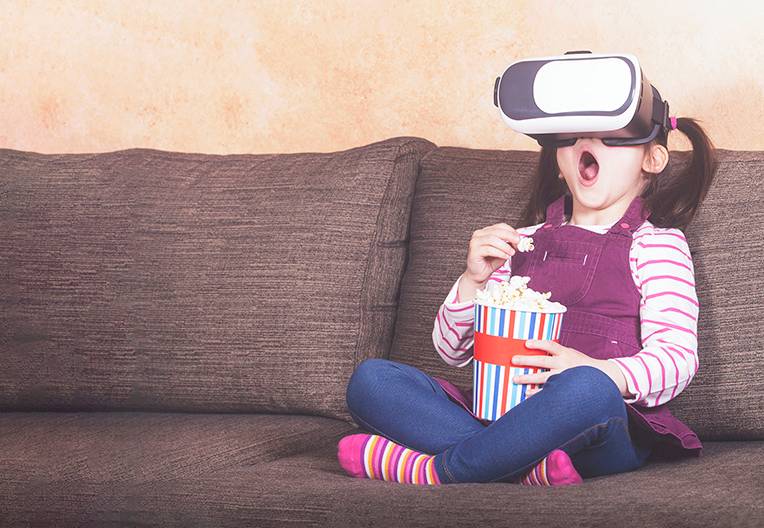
(634, 217)
(555, 212)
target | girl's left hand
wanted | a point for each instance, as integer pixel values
(561, 358)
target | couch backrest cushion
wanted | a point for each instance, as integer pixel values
(460, 190)
(153, 280)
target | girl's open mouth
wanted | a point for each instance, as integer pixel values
(588, 168)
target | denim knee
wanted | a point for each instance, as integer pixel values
(365, 381)
(594, 389)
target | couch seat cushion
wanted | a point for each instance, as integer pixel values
(140, 447)
(224, 482)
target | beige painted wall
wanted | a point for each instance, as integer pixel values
(288, 76)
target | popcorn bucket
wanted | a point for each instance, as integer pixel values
(500, 334)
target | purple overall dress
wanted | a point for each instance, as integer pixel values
(589, 273)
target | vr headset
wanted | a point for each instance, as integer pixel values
(558, 99)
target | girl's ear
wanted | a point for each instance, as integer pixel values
(656, 159)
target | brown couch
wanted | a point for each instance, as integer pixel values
(177, 331)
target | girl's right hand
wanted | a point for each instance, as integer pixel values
(489, 248)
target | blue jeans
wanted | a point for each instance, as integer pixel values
(579, 410)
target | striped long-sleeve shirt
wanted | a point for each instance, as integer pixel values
(662, 269)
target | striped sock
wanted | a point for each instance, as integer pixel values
(556, 469)
(375, 457)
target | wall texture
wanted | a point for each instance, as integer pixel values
(297, 76)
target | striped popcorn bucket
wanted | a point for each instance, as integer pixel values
(500, 334)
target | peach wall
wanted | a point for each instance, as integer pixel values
(289, 76)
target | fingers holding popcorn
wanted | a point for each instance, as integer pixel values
(506, 232)
(525, 244)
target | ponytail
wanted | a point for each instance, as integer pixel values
(673, 199)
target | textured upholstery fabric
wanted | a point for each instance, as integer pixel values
(243, 290)
(149, 446)
(96, 469)
(460, 190)
(152, 280)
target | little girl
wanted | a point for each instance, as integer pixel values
(606, 225)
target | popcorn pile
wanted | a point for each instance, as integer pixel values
(516, 295)
(525, 244)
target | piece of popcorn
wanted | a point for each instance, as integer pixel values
(515, 294)
(525, 244)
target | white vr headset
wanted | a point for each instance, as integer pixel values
(558, 99)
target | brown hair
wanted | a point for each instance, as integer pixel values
(672, 199)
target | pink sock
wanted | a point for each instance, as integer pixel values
(375, 457)
(554, 470)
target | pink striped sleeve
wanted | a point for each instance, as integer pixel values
(661, 266)
(453, 331)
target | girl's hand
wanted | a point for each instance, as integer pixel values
(489, 248)
(561, 358)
